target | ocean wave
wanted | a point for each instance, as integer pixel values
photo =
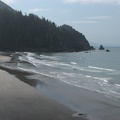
(101, 79)
(99, 68)
(108, 93)
(49, 57)
(86, 69)
(112, 93)
(74, 63)
(118, 85)
(98, 84)
(28, 70)
(115, 73)
(74, 72)
(37, 61)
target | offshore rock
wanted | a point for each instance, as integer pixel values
(107, 50)
(101, 47)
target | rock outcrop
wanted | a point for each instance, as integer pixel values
(101, 47)
(107, 50)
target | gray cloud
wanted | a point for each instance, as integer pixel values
(38, 10)
(92, 1)
(9, 1)
(84, 22)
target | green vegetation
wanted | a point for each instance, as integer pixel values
(20, 32)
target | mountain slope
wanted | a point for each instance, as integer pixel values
(20, 32)
(5, 6)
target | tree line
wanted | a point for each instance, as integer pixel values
(20, 32)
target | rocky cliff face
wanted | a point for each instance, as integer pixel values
(75, 39)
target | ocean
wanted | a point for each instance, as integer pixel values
(97, 70)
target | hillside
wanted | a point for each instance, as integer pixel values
(5, 6)
(20, 32)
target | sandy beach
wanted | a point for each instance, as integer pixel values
(19, 101)
(90, 104)
(22, 99)
(4, 58)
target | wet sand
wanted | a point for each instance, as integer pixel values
(90, 104)
(19, 101)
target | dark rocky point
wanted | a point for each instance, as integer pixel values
(101, 47)
(107, 50)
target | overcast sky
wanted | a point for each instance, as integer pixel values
(98, 20)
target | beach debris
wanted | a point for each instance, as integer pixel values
(81, 115)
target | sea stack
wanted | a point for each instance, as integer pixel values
(101, 47)
(107, 50)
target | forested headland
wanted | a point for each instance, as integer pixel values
(20, 32)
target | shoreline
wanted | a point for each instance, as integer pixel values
(90, 104)
(23, 102)
(70, 102)
(85, 104)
